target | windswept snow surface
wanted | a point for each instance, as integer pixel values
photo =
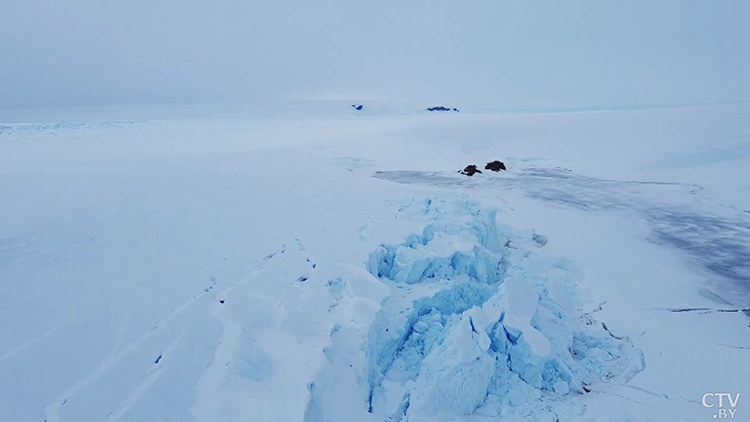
(314, 264)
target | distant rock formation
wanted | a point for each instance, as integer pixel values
(358, 107)
(441, 108)
(470, 170)
(495, 166)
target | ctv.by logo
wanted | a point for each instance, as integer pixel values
(709, 400)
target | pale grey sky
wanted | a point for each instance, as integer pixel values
(468, 53)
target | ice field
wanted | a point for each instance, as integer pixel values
(307, 262)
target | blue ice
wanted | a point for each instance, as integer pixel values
(492, 326)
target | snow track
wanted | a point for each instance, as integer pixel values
(141, 389)
(49, 332)
(208, 402)
(53, 410)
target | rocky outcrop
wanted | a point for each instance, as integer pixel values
(470, 170)
(441, 108)
(495, 166)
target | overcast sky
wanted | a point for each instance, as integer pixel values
(464, 52)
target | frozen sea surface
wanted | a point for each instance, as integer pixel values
(316, 264)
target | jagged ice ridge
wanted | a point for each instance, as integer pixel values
(478, 321)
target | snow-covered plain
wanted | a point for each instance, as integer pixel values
(311, 263)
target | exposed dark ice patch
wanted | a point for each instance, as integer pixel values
(703, 310)
(718, 244)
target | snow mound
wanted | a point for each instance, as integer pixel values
(480, 322)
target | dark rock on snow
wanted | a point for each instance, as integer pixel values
(441, 108)
(470, 170)
(495, 166)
